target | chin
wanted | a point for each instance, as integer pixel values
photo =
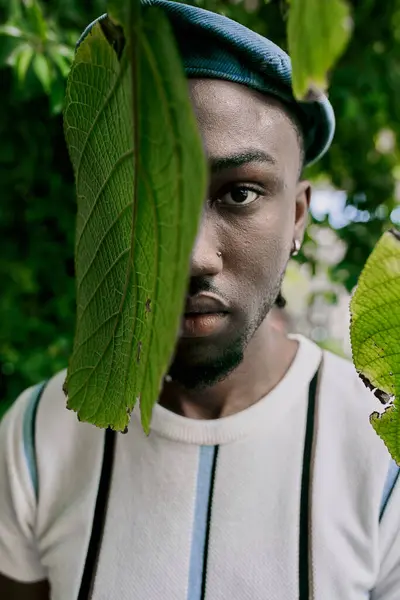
(199, 378)
(202, 367)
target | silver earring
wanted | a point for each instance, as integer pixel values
(219, 254)
(295, 247)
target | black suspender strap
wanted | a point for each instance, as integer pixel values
(305, 494)
(99, 517)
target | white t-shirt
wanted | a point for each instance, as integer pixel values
(213, 509)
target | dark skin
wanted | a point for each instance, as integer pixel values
(255, 209)
(255, 237)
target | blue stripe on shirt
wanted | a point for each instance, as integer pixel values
(204, 482)
(391, 479)
(28, 428)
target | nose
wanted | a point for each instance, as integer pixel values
(205, 260)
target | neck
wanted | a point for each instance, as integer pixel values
(267, 358)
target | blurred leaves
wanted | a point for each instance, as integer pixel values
(31, 42)
(314, 25)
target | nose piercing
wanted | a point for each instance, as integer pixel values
(219, 254)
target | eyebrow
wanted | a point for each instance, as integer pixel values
(232, 161)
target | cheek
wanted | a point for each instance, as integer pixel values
(256, 247)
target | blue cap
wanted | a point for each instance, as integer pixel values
(213, 46)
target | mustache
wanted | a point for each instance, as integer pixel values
(198, 285)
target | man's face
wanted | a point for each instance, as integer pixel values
(254, 210)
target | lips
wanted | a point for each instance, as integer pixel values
(204, 316)
(204, 305)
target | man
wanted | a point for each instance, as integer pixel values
(262, 478)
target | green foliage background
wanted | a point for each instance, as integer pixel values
(37, 203)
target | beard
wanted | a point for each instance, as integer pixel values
(201, 375)
(220, 361)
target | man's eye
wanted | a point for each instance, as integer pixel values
(239, 196)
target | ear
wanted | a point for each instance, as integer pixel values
(303, 198)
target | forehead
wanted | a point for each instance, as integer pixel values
(232, 118)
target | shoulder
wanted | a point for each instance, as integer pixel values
(52, 413)
(61, 440)
(345, 431)
(40, 416)
(43, 439)
(55, 424)
(46, 399)
(340, 386)
(344, 404)
(50, 466)
(14, 464)
(57, 458)
(343, 387)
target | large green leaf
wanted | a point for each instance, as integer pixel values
(318, 31)
(375, 335)
(141, 180)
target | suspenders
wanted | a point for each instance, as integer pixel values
(305, 547)
(100, 511)
(99, 518)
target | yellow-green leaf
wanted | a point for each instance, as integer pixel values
(141, 180)
(37, 21)
(318, 31)
(375, 335)
(42, 70)
(12, 31)
(23, 62)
